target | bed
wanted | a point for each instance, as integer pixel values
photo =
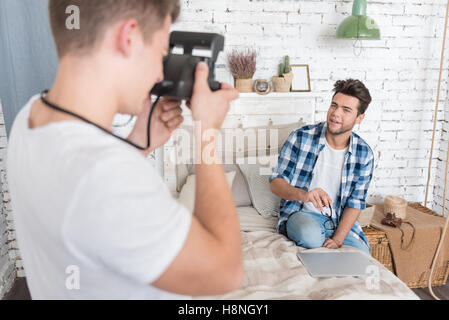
(272, 269)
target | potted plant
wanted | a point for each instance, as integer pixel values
(283, 83)
(242, 65)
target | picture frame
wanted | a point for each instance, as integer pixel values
(301, 79)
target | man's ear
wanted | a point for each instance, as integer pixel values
(360, 119)
(126, 36)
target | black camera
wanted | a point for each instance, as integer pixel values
(179, 68)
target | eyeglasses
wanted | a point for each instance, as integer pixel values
(329, 224)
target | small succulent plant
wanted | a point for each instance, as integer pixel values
(242, 64)
(285, 67)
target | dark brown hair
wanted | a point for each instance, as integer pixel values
(96, 15)
(356, 89)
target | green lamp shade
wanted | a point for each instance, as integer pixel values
(359, 25)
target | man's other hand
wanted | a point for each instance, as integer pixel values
(319, 198)
(167, 117)
(331, 244)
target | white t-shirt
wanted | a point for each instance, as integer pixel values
(327, 176)
(87, 204)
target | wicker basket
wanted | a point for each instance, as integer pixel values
(380, 247)
(284, 83)
(244, 85)
(380, 250)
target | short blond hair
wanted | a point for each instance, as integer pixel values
(97, 15)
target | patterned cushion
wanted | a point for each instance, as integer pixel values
(257, 172)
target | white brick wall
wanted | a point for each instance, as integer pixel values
(401, 71)
(7, 252)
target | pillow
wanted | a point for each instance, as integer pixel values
(257, 171)
(182, 173)
(240, 191)
(187, 195)
(239, 187)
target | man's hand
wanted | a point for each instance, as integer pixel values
(349, 217)
(210, 108)
(166, 118)
(319, 198)
(331, 244)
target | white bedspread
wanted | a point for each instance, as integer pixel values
(273, 271)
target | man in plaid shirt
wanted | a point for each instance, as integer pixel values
(323, 175)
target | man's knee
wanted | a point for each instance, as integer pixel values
(305, 231)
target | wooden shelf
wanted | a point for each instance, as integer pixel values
(299, 95)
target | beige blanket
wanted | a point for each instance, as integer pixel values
(413, 257)
(273, 271)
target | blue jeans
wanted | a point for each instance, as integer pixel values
(307, 230)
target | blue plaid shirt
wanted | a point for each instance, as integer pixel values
(297, 161)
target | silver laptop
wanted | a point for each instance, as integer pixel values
(336, 264)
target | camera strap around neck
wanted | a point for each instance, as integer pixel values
(57, 108)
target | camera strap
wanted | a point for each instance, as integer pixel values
(57, 108)
(412, 240)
